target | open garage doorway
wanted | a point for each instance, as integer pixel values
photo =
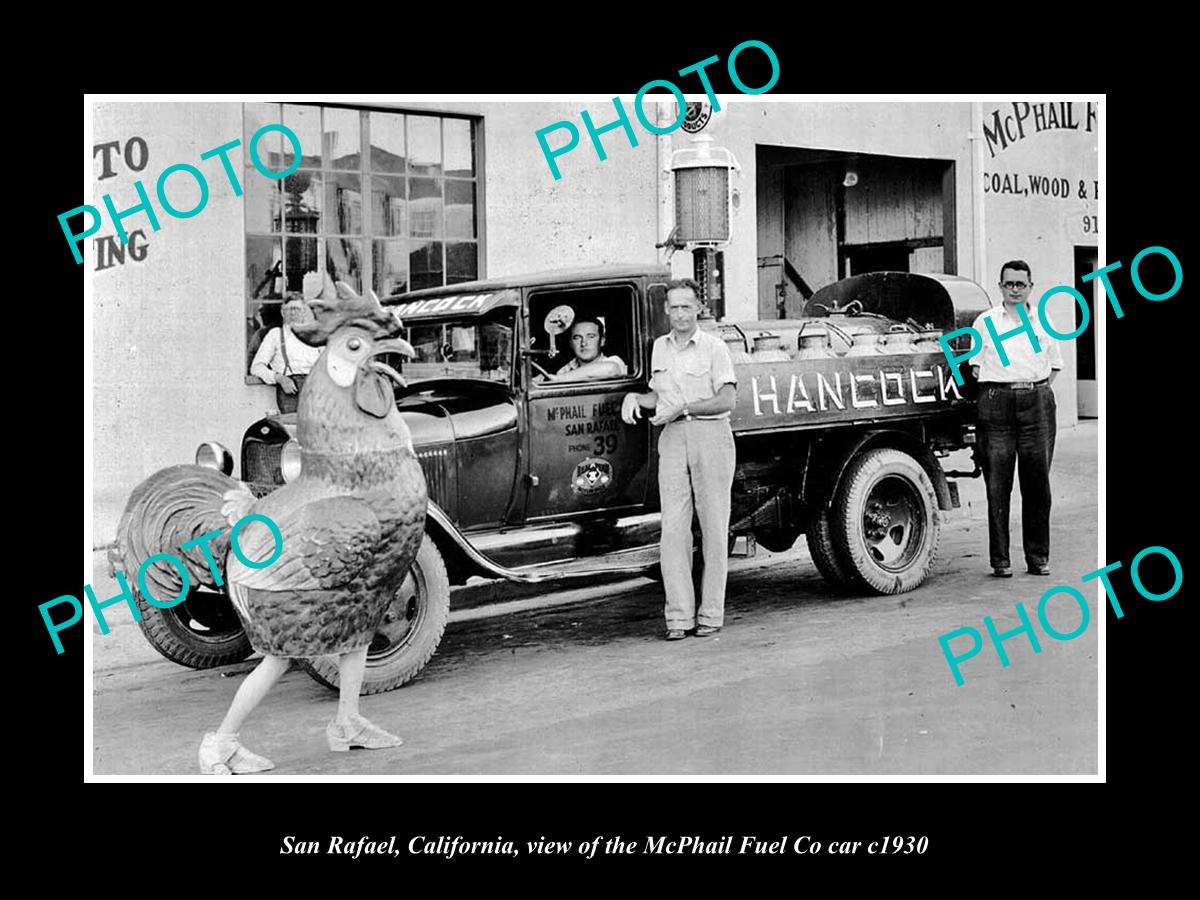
(825, 215)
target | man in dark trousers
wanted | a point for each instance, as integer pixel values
(692, 392)
(1017, 423)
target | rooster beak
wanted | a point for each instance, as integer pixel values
(393, 345)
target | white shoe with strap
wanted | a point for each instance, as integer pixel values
(359, 732)
(222, 754)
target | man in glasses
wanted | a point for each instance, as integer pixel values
(1017, 423)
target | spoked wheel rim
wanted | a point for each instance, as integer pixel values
(208, 615)
(402, 621)
(893, 523)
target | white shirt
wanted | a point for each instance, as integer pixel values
(693, 372)
(575, 364)
(268, 361)
(1023, 363)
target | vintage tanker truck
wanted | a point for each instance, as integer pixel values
(841, 417)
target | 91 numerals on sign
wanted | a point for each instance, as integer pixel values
(1091, 224)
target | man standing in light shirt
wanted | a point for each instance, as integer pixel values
(283, 359)
(1017, 419)
(693, 389)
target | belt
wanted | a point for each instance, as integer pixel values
(1016, 385)
(694, 418)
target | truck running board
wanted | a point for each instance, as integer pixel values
(631, 561)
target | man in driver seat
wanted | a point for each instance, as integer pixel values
(587, 343)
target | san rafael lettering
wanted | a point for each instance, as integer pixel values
(185, 170)
(1026, 327)
(622, 120)
(954, 660)
(202, 542)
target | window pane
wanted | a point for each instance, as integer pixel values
(306, 122)
(387, 142)
(345, 206)
(425, 145)
(302, 256)
(302, 202)
(460, 149)
(263, 204)
(425, 265)
(264, 268)
(391, 267)
(462, 262)
(256, 116)
(460, 209)
(343, 139)
(343, 261)
(387, 205)
(425, 207)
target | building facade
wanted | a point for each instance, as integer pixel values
(409, 195)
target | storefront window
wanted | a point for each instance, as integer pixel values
(401, 216)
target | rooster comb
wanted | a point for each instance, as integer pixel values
(338, 306)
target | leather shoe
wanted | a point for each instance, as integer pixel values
(707, 630)
(222, 754)
(1001, 571)
(359, 732)
(676, 634)
(1039, 569)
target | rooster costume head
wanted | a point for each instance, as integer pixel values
(354, 331)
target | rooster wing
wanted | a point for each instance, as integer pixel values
(326, 544)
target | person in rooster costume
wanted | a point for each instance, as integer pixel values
(351, 525)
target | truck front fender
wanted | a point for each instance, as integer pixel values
(462, 560)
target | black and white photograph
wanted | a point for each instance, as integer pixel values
(735, 436)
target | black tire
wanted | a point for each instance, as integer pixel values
(837, 572)
(411, 632)
(203, 631)
(885, 521)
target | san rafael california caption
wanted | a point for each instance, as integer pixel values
(603, 845)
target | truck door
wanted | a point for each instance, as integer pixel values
(581, 457)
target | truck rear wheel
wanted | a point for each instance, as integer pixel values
(885, 521)
(838, 573)
(410, 632)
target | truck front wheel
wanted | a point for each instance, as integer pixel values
(410, 632)
(885, 521)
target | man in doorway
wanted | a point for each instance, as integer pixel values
(1017, 420)
(692, 392)
(282, 358)
(587, 343)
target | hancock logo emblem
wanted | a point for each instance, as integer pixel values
(592, 476)
(697, 116)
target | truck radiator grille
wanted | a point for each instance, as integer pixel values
(435, 461)
(260, 462)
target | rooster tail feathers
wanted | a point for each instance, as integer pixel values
(169, 509)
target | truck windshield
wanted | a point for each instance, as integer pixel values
(478, 347)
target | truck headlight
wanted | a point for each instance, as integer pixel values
(212, 455)
(289, 460)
